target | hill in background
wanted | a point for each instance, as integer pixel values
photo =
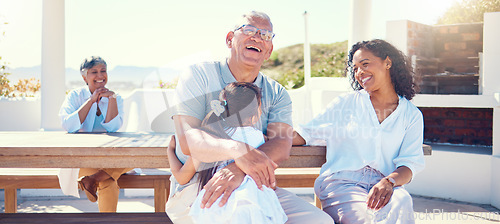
(286, 65)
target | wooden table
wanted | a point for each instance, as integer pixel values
(83, 150)
(113, 150)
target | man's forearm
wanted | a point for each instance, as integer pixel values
(203, 146)
(208, 148)
(280, 142)
(277, 149)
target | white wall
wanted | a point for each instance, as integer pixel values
(455, 175)
(491, 53)
(495, 181)
(148, 110)
(463, 101)
(323, 90)
(20, 114)
(396, 34)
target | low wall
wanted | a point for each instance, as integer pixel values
(495, 181)
(148, 110)
(455, 175)
(20, 114)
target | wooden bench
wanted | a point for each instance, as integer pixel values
(300, 170)
(13, 179)
(118, 218)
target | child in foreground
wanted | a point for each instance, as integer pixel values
(233, 116)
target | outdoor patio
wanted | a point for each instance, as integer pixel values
(427, 209)
(460, 183)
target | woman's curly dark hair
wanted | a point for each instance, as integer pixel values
(401, 71)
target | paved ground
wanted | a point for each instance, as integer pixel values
(427, 210)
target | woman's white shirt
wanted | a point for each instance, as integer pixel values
(75, 99)
(354, 137)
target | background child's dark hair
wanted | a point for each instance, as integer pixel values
(236, 98)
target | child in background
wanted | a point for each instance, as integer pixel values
(233, 116)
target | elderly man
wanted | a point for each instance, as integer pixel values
(250, 44)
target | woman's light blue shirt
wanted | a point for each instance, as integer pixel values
(355, 138)
(75, 99)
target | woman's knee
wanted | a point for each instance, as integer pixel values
(402, 196)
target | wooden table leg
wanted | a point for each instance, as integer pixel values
(10, 200)
(160, 195)
(317, 201)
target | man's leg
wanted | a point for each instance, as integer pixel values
(300, 211)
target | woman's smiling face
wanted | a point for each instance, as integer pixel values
(97, 77)
(370, 71)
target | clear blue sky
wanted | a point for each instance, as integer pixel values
(156, 32)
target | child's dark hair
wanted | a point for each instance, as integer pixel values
(237, 99)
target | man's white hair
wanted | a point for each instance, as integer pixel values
(253, 14)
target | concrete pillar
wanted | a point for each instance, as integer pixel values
(490, 86)
(53, 67)
(495, 181)
(496, 128)
(360, 21)
(491, 53)
(396, 33)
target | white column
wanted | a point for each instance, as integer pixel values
(495, 181)
(490, 74)
(491, 53)
(53, 77)
(396, 33)
(490, 85)
(307, 115)
(307, 53)
(360, 22)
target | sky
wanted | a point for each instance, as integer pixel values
(153, 33)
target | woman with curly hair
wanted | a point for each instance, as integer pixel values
(373, 137)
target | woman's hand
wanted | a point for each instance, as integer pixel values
(108, 93)
(380, 195)
(99, 93)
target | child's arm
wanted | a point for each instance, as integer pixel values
(182, 173)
